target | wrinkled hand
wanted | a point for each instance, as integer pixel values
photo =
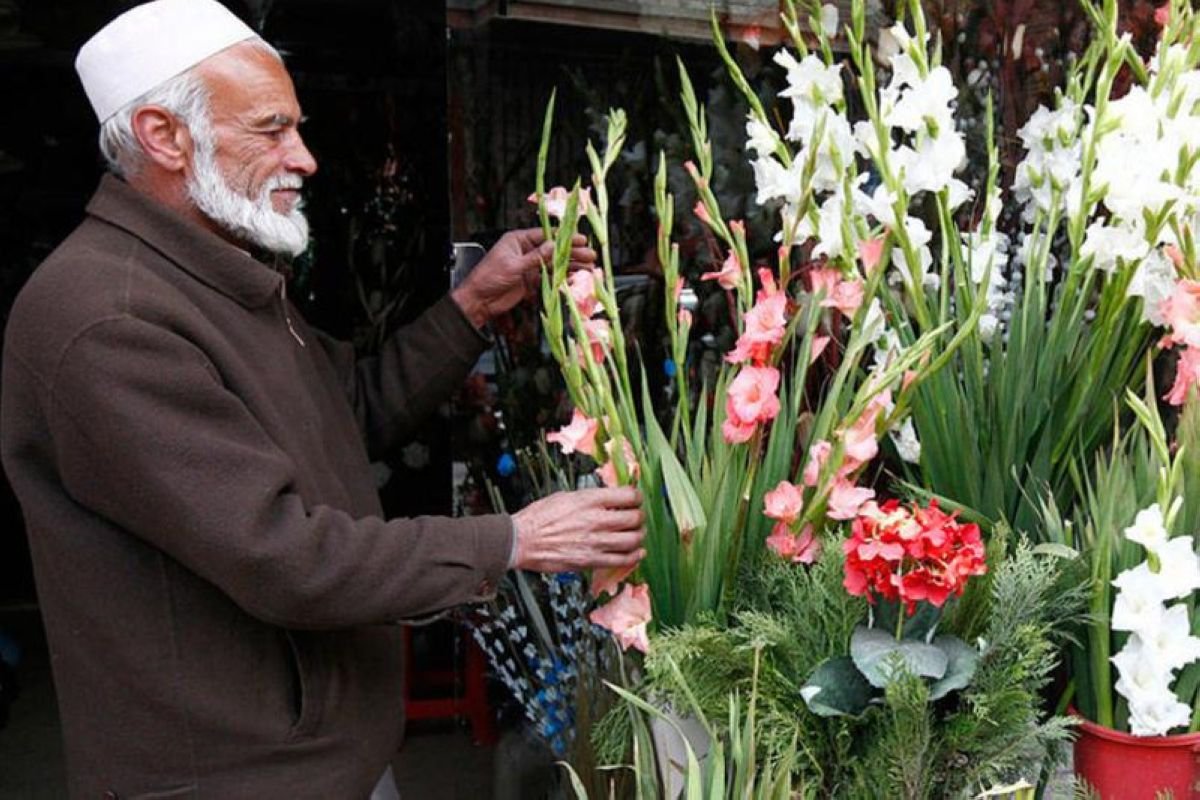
(511, 271)
(570, 531)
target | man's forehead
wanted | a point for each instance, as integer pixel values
(251, 84)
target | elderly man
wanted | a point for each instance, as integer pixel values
(218, 584)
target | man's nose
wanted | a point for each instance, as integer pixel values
(299, 159)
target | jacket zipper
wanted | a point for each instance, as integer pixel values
(286, 317)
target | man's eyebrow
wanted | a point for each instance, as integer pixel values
(279, 121)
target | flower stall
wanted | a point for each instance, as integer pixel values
(917, 504)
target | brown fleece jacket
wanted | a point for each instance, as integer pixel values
(212, 563)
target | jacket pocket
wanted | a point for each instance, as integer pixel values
(306, 686)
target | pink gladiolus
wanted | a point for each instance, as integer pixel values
(608, 579)
(582, 286)
(784, 502)
(702, 213)
(751, 400)
(578, 436)
(765, 325)
(1162, 15)
(730, 274)
(1175, 254)
(1187, 375)
(845, 296)
(626, 616)
(599, 336)
(737, 226)
(871, 253)
(819, 344)
(767, 279)
(736, 432)
(1182, 313)
(556, 201)
(860, 444)
(823, 279)
(753, 37)
(808, 546)
(608, 470)
(818, 455)
(685, 318)
(845, 499)
(804, 548)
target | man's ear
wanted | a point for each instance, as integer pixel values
(164, 139)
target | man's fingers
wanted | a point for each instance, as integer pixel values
(622, 542)
(629, 519)
(528, 238)
(611, 497)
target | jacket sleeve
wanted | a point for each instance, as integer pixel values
(147, 437)
(419, 368)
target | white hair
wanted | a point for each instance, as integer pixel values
(249, 219)
(185, 96)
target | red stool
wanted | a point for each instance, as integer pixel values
(471, 703)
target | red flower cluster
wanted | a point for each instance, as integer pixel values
(911, 555)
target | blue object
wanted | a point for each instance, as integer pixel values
(670, 368)
(506, 465)
(10, 651)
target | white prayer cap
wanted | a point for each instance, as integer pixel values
(150, 44)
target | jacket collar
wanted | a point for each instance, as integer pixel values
(206, 256)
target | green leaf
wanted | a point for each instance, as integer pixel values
(836, 688)
(878, 655)
(1057, 550)
(685, 502)
(960, 666)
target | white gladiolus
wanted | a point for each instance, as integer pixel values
(926, 105)
(1148, 529)
(1180, 569)
(1172, 646)
(1154, 282)
(1160, 640)
(829, 19)
(907, 443)
(1139, 603)
(759, 137)
(810, 79)
(1109, 244)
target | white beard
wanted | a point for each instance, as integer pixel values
(254, 221)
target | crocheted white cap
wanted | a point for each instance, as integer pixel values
(150, 44)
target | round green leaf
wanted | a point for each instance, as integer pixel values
(878, 656)
(836, 688)
(961, 660)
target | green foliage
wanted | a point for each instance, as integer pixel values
(907, 744)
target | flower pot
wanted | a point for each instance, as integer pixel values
(671, 749)
(1119, 766)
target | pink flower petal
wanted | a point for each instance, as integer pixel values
(784, 503)
(627, 616)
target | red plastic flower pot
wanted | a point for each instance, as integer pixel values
(1124, 767)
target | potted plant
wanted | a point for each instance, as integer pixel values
(1136, 670)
